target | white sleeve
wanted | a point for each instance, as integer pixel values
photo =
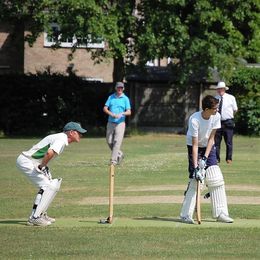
(194, 127)
(216, 122)
(58, 146)
(234, 104)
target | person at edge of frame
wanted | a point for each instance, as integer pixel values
(202, 161)
(227, 110)
(117, 107)
(33, 164)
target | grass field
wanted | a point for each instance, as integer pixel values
(148, 194)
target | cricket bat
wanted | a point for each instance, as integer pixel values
(111, 192)
(198, 209)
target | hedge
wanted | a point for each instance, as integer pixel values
(40, 104)
(245, 85)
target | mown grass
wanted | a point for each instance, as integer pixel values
(151, 160)
(130, 243)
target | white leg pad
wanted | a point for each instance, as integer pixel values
(189, 203)
(216, 186)
(48, 195)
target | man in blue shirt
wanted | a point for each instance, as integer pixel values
(117, 107)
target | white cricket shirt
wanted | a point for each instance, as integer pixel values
(229, 105)
(201, 128)
(56, 142)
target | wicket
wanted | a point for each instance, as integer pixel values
(111, 192)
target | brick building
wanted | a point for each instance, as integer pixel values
(16, 56)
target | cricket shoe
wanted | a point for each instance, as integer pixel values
(48, 218)
(40, 221)
(120, 158)
(224, 218)
(187, 220)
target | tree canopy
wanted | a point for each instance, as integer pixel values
(200, 35)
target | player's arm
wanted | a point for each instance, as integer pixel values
(47, 157)
(127, 112)
(210, 143)
(195, 148)
(108, 112)
(235, 108)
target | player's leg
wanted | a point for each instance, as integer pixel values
(228, 137)
(189, 202)
(110, 134)
(218, 139)
(216, 186)
(47, 193)
(41, 181)
(117, 154)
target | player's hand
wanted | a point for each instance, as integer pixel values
(45, 171)
(198, 175)
(118, 116)
(203, 162)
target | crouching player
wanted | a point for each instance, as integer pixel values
(33, 163)
(202, 158)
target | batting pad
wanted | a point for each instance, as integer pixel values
(47, 197)
(216, 185)
(188, 205)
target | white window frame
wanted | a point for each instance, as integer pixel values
(89, 45)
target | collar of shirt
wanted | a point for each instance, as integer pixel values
(116, 96)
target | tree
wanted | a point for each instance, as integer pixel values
(87, 20)
(200, 34)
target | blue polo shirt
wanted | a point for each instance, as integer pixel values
(117, 105)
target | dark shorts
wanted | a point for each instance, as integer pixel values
(212, 158)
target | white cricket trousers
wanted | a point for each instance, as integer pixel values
(27, 167)
(114, 137)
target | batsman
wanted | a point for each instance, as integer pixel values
(34, 164)
(203, 162)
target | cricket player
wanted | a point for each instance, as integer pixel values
(227, 110)
(203, 162)
(34, 164)
(117, 107)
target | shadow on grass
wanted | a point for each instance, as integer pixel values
(160, 219)
(13, 222)
(178, 220)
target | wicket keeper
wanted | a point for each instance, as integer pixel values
(203, 162)
(117, 107)
(33, 163)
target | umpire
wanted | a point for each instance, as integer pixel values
(227, 109)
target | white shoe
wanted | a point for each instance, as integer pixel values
(120, 158)
(48, 218)
(40, 221)
(187, 220)
(224, 218)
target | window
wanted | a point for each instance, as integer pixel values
(50, 40)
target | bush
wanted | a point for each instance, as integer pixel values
(39, 104)
(245, 84)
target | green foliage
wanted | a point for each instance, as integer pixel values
(199, 34)
(246, 86)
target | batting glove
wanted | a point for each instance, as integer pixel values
(197, 174)
(45, 171)
(203, 162)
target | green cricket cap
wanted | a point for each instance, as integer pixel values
(74, 126)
